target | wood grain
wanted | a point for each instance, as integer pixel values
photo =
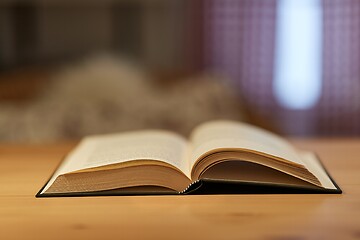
(24, 169)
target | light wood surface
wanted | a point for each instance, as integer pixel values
(24, 169)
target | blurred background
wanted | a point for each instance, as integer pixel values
(73, 68)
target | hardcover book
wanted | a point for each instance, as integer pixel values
(219, 157)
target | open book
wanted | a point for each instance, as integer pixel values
(219, 157)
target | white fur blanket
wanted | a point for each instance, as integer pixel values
(104, 94)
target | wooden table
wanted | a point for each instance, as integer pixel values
(24, 169)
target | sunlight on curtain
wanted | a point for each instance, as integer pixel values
(298, 53)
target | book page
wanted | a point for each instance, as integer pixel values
(234, 135)
(102, 150)
(312, 163)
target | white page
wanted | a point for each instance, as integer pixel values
(315, 168)
(97, 151)
(229, 134)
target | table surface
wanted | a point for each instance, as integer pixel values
(25, 168)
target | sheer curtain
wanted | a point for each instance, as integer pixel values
(240, 39)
